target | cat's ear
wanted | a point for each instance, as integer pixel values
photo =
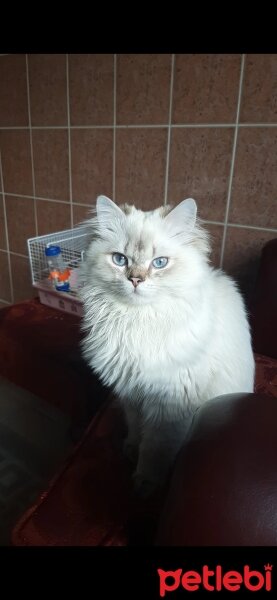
(109, 216)
(183, 216)
(107, 208)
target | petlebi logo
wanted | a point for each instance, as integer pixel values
(216, 579)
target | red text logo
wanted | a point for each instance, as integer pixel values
(215, 580)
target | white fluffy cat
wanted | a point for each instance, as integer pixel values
(164, 329)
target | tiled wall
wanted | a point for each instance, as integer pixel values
(147, 129)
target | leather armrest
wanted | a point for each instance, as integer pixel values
(224, 486)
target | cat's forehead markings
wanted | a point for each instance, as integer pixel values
(136, 249)
(139, 245)
(140, 249)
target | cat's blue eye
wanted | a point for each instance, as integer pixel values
(160, 263)
(119, 259)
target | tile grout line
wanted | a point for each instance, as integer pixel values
(256, 228)
(202, 125)
(145, 126)
(39, 198)
(17, 254)
(232, 163)
(208, 221)
(6, 230)
(31, 144)
(69, 142)
(169, 128)
(241, 226)
(114, 124)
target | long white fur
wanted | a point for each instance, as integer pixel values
(180, 338)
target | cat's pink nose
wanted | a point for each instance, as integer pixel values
(135, 281)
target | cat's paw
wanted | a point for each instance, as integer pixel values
(143, 486)
(130, 452)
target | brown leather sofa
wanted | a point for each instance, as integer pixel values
(224, 486)
(223, 490)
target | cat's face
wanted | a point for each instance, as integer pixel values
(139, 256)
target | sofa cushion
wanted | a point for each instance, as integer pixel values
(86, 502)
(90, 502)
(40, 352)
